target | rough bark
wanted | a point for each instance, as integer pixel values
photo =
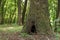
(39, 16)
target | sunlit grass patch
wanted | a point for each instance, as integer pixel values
(9, 25)
(10, 28)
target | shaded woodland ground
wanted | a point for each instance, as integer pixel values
(12, 32)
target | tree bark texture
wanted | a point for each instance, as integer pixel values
(39, 16)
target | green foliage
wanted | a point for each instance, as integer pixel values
(11, 11)
(53, 5)
(52, 10)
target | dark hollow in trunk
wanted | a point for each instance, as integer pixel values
(33, 29)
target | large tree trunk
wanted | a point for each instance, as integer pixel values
(38, 18)
(19, 13)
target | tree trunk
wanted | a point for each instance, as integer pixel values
(24, 11)
(2, 3)
(19, 13)
(58, 9)
(38, 19)
(0, 11)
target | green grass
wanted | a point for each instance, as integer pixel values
(10, 28)
(7, 30)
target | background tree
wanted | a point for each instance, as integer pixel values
(2, 3)
(24, 11)
(58, 9)
(0, 11)
(19, 13)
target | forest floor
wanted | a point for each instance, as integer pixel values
(13, 33)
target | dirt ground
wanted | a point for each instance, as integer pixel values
(17, 36)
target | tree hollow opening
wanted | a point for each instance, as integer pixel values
(33, 29)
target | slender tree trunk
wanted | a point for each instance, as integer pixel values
(19, 13)
(14, 21)
(2, 11)
(58, 9)
(24, 11)
(38, 19)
